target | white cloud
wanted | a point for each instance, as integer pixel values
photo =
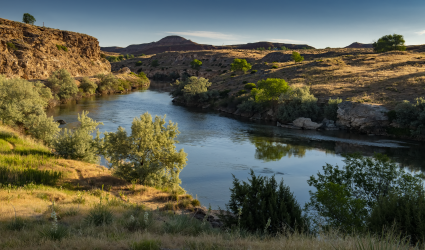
(286, 41)
(206, 34)
(420, 32)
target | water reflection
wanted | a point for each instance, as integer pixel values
(268, 150)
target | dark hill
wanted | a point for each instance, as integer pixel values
(357, 45)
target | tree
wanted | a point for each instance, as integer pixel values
(261, 204)
(62, 84)
(296, 57)
(28, 19)
(191, 88)
(79, 144)
(240, 64)
(148, 154)
(155, 63)
(196, 64)
(389, 43)
(269, 89)
(331, 108)
(344, 198)
(88, 86)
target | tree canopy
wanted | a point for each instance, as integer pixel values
(28, 18)
(296, 57)
(389, 43)
(240, 64)
(196, 64)
(269, 89)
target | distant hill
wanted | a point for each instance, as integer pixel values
(178, 43)
(357, 45)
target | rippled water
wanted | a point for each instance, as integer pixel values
(219, 146)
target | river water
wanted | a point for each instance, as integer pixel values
(219, 145)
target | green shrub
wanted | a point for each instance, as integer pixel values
(344, 197)
(61, 47)
(283, 48)
(331, 108)
(108, 83)
(269, 89)
(102, 55)
(389, 43)
(224, 93)
(139, 63)
(261, 204)
(28, 19)
(274, 67)
(298, 103)
(22, 176)
(240, 65)
(88, 86)
(195, 64)
(241, 92)
(411, 115)
(57, 233)
(195, 203)
(146, 245)
(113, 59)
(250, 106)
(42, 127)
(78, 144)
(11, 45)
(155, 63)
(99, 215)
(193, 88)
(62, 84)
(296, 57)
(250, 86)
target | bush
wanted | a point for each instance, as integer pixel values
(146, 245)
(113, 59)
(254, 71)
(194, 88)
(389, 43)
(250, 106)
(298, 103)
(240, 65)
(274, 67)
(79, 143)
(17, 224)
(411, 115)
(250, 86)
(11, 45)
(269, 89)
(195, 64)
(148, 154)
(28, 19)
(108, 83)
(42, 127)
(99, 215)
(331, 108)
(296, 57)
(345, 197)
(139, 63)
(195, 203)
(62, 84)
(155, 63)
(261, 204)
(88, 86)
(61, 47)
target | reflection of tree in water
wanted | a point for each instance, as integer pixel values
(268, 150)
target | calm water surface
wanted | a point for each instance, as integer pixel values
(219, 146)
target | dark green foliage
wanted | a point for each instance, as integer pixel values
(139, 63)
(389, 43)
(260, 199)
(146, 245)
(392, 115)
(224, 93)
(283, 48)
(102, 55)
(139, 221)
(274, 67)
(298, 103)
(88, 86)
(195, 64)
(254, 71)
(61, 47)
(54, 233)
(99, 215)
(331, 108)
(296, 57)
(412, 115)
(127, 56)
(240, 65)
(345, 197)
(250, 86)
(62, 84)
(251, 106)
(28, 19)
(241, 92)
(155, 63)
(113, 59)
(11, 45)
(19, 176)
(17, 224)
(120, 57)
(195, 203)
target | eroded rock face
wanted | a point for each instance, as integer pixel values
(362, 117)
(306, 123)
(31, 52)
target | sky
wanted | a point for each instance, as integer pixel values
(318, 23)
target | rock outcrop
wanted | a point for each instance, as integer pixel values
(362, 117)
(306, 123)
(34, 52)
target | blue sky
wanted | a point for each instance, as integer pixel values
(319, 23)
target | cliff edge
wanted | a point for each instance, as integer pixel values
(34, 52)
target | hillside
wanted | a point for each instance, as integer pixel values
(33, 52)
(177, 43)
(357, 45)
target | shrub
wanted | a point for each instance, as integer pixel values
(139, 63)
(113, 59)
(283, 48)
(296, 57)
(195, 64)
(62, 84)
(88, 86)
(262, 201)
(274, 67)
(102, 55)
(269, 89)
(195, 203)
(155, 63)
(61, 47)
(389, 43)
(345, 197)
(250, 106)
(192, 88)
(11, 45)
(148, 154)
(120, 57)
(28, 19)
(78, 144)
(17, 224)
(240, 65)
(411, 115)
(108, 83)
(146, 245)
(254, 71)
(331, 108)
(99, 215)
(250, 86)
(298, 103)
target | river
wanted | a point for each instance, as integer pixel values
(219, 145)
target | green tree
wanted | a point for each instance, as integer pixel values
(196, 64)
(28, 19)
(296, 57)
(283, 48)
(298, 102)
(389, 43)
(240, 64)
(62, 84)
(42, 127)
(79, 144)
(261, 204)
(331, 108)
(269, 89)
(250, 86)
(148, 154)
(345, 197)
(191, 88)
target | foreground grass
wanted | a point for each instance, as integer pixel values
(89, 208)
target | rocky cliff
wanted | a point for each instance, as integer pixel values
(34, 52)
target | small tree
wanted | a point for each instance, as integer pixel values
(296, 57)
(331, 108)
(28, 19)
(240, 64)
(298, 102)
(148, 154)
(196, 64)
(269, 89)
(62, 84)
(389, 43)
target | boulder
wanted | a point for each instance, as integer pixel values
(306, 123)
(362, 117)
(329, 125)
